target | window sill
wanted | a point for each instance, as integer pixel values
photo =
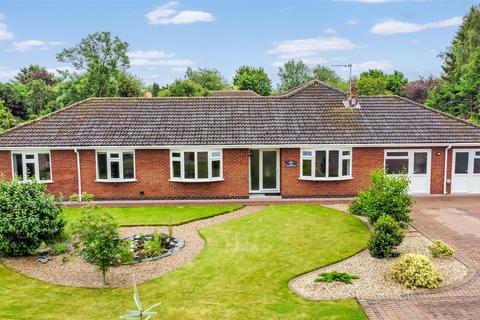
(196, 180)
(116, 180)
(325, 179)
(39, 181)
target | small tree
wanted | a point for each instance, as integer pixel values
(28, 217)
(255, 79)
(387, 235)
(97, 238)
(184, 88)
(293, 74)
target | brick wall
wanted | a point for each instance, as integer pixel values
(5, 165)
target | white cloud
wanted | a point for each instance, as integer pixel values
(307, 60)
(372, 64)
(29, 45)
(4, 33)
(330, 31)
(307, 47)
(149, 54)
(7, 73)
(352, 22)
(168, 14)
(392, 26)
(161, 62)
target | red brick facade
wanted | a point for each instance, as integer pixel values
(153, 174)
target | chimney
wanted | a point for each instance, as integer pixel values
(352, 100)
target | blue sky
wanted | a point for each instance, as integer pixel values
(167, 36)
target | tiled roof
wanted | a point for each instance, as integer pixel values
(311, 114)
(234, 93)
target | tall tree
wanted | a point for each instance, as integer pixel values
(15, 98)
(155, 89)
(40, 97)
(7, 120)
(373, 82)
(292, 74)
(101, 57)
(210, 79)
(255, 79)
(396, 82)
(418, 90)
(35, 72)
(330, 77)
(184, 88)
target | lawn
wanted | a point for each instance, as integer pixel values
(242, 273)
(165, 215)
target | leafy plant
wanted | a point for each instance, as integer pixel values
(157, 245)
(85, 197)
(415, 271)
(126, 254)
(97, 237)
(440, 249)
(336, 276)
(28, 217)
(388, 195)
(387, 235)
(60, 248)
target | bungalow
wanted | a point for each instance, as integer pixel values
(312, 141)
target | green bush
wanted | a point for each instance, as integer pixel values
(336, 276)
(387, 235)
(157, 245)
(97, 236)
(85, 197)
(126, 254)
(388, 195)
(28, 217)
(415, 271)
(60, 248)
(440, 249)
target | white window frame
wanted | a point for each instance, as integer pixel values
(120, 162)
(181, 159)
(341, 157)
(34, 161)
(472, 155)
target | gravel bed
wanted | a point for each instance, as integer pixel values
(79, 273)
(374, 281)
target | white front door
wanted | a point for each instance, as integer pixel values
(264, 170)
(466, 171)
(415, 163)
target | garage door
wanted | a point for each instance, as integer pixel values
(415, 163)
(466, 171)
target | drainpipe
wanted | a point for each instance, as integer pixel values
(446, 170)
(79, 177)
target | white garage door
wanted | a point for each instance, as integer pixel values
(466, 171)
(415, 163)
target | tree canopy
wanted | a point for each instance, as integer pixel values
(210, 79)
(184, 88)
(250, 78)
(376, 82)
(293, 74)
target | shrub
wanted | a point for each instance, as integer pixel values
(388, 195)
(336, 276)
(440, 249)
(126, 254)
(60, 248)
(387, 235)
(85, 197)
(415, 271)
(98, 238)
(28, 217)
(157, 245)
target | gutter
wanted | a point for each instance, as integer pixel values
(79, 176)
(446, 170)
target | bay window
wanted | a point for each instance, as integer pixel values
(326, 164)
(116, 166)
(32, 165)
(192, 166)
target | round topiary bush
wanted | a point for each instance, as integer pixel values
(416, 271)
(440, 249)
(28, 216)
(387, 235)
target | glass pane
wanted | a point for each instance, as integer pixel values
(396, 166)
(346, 153)
(30, 156)
(128, 171)
(115, 170)
(44, 166)
(333, 157)
(176, 154)
(18, 165)
(476, 166)
(189, 165)
(202, 165)
(477, 154)
(30, 170)
(346, 167)
(420, 163)
(306, 153)
(102, 165)
(320, 163)
(269, 170)
(397, 154)
(461, 162)
(114, 155)
(216, 169)
(216, 154)
(307, 167)
(177, 172)
(255, 169)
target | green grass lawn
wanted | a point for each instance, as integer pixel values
(242, 273)
(165, 215)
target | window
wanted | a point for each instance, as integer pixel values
(420, 162)
(115, 166)
(476, 163)
(461, 162)
(196, 165)
(328, 164)
(397, 162)
(32, 165)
